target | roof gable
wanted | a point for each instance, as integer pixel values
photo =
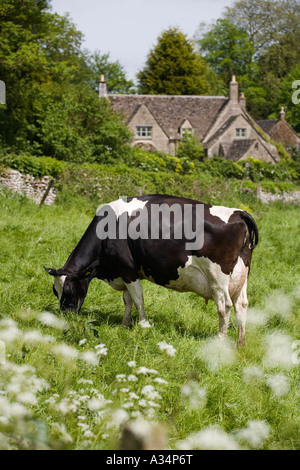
(171, 111)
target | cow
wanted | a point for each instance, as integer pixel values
(145, 238)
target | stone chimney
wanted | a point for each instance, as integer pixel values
(233, 90)
(242, 101)
(102, 87)
(282, 114)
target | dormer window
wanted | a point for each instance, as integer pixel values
(186, 131)
(240, 133)
(143, 132)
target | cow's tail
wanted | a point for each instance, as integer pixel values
(252, 227)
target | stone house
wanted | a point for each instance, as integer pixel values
(280, 131)
(221, 123)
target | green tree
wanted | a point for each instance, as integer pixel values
(72, 124)
(52, 107)
(113, 72)
(174, 67)
(264, 20)
(227, 50)
(289, 97)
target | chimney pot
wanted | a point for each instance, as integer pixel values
(102, 87)
(282, 114)
(242, 101)
(234, 89)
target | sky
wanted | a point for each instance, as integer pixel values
(129, 29)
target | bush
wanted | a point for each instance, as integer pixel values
(35, 166)
(159, 161)
(286, 171)
(219, 167)
(190, 148)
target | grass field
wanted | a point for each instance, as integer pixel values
(73, 382)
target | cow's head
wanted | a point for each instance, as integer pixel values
(70, 289)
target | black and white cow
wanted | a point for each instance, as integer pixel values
(217, 267)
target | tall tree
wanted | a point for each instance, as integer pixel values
(265, 20)
(227, 50)
(289, 97)
(174, 67)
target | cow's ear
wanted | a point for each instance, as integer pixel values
(52, 272)
(83, 274)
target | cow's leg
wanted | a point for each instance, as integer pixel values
(128, 307)
(240, 308)
(224, 305)
(136, 293)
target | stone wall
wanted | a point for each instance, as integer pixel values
(27, 185)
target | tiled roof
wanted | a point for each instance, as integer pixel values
(170, 111)
(238, 148)
(267, 124)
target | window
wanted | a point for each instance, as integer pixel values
(186, 131)
(240, 132)
(144, 132)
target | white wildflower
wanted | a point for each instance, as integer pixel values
(89, 434)
(9, 330)
(82, 342)
(195, 394)
(279, 384)
(121, 377)
(131, 364)
(90, 357)
(170, 350)
(217, 353)
(36, 337)
(256, 317)
(160, 381)
(254, 433)
(83, 426)
(209, 438)
(143, 403)
(127, 405)
(150, 413)
(62, 431)
(95, 404)
(144, 370)
(278, 303)
(150, 392)
(27, 397)
(101, 350)
(68, 352)
(144, 324)
(279, 351)
(118, 417)
(132, 378)
(49, 319)
(85, 381)
(252, 374)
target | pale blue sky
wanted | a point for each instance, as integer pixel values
(128, 29)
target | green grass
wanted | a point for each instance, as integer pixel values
(62, 416)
